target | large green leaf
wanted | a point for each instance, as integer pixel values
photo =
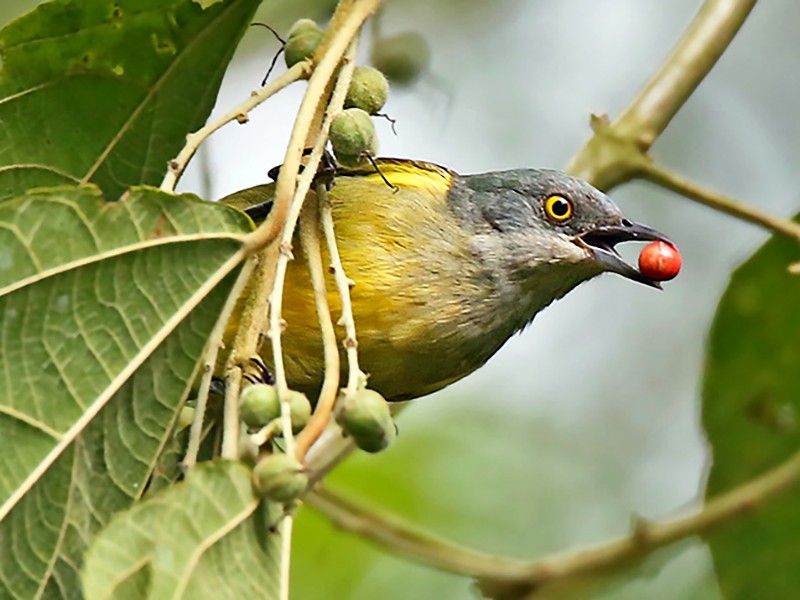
(202, 538)
(751, 404)
(90, 293)
(105, 91)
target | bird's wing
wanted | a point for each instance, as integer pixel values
(392, 172)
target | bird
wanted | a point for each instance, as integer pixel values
(446, 267)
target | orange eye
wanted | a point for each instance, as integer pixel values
(558, 208)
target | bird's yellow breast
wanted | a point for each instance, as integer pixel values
(414, 298)
(403, 251)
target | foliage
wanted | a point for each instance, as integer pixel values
(751, 401)
(110, 290)
(106, 306)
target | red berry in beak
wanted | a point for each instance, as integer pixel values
(660, 261)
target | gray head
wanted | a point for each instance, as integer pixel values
(546, 228)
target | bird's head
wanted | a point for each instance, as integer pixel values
(548, 229)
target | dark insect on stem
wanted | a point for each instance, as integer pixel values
(325, 172)
(265, 376)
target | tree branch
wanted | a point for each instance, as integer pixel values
(510, 579)
(692, 58)
(648, 537)
(722, 203)
(614, 153)
(177, 165)
(404, 539)
(310, 239)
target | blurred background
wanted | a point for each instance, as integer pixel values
(590, 417)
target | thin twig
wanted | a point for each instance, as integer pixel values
(746, 212)
(648, 537)
(326, 217)
(276, 297)
(177, 165)
(265, 434)
(343, 285)
(209, 364)
(331, 448)
(309, 237)
(231, 424)
(286, 554)
(248, 332)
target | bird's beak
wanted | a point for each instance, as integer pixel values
(600, 242)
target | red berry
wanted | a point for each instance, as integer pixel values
(660, 261)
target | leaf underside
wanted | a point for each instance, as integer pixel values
(751, 413)
(91, 292)
(202, 538)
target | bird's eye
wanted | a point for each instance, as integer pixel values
(558, 208)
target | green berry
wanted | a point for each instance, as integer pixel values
(299, 409)
(353, 136)
(403, 58)
(368, 90)
(259, 405)
(185, 418)
(366, 417)
(279, 477)
(304, 38)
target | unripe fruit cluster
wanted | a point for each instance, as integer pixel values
(259, 406)
(353, 137)
(352, 132)
(365, 416)
(403, 58)
(279, 477)
(304, 38)
(368, 90)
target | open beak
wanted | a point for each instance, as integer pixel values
(600, 243)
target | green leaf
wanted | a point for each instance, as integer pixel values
(105, 91)
(198, 539)
(751, 403)
(91, 292)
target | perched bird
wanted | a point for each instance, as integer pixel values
(446, 267)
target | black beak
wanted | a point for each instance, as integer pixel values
(600, 243)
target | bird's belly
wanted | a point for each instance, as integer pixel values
(408, 345)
